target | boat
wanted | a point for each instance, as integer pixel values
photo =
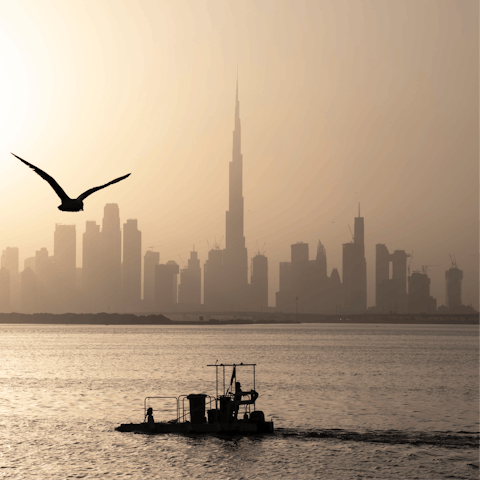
(230, 411)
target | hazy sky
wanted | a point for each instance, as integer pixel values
(340, 101)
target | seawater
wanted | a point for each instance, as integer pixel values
(348, 401)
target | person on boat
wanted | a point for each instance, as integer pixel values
(150, 420)
(237, 398)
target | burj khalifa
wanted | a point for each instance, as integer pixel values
(235, 253)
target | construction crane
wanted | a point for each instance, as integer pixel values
(183, 261)
(425, 268)
(351, 233)
(216, 246)
(261, 251)
(453, 261)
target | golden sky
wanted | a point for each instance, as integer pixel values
(341, 101)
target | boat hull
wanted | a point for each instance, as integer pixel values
(242, 428)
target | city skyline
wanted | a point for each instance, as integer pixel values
(114, 276)
(354, 111)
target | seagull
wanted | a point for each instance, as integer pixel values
(68, 204)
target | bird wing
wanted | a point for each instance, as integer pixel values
(58, 189)
(84, 195)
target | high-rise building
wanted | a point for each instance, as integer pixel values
(354, 268)
(28, 290)
(30, 262)
(382, 276)
(111, 259)
(213, 281)
(166, 285)
(419, 298)
(301, 272)
(391, 293)
(190, 288)
(284, 300)
(453, 287)
(399, 271)
(64, 258)
(235, 259)
(335, 292)
(321, 260)
(304, 284)
(92, 268)
(150, 261)
(259, 283)
(45, 272)
(10, 261)
(132, 266)
(4, 290)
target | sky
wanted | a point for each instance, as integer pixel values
(341, 102)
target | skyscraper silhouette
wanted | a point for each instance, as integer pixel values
(4, 290)
(259, 283)
(453, 287)
(64, 258)
(419, 298)
(304, 284)
(111, 260)
(391, 293)
(92, 274)
(28, 290)
(150, 260)
(213, 280)
(190, 288)
(382, 278)
(354, 268)
(45, 270)
(10, 260)
(132, 266)
(235, 259)
(166, 285)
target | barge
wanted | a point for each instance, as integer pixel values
(230, 411)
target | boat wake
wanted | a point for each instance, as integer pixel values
(442, 439)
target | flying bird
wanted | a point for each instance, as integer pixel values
(68, 204)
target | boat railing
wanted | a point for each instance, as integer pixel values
(147, 403)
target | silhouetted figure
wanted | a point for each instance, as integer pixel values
(237, 399)
(68, 204)
(150, 420)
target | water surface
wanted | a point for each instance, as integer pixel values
(348, 401)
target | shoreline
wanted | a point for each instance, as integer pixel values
(131, 319)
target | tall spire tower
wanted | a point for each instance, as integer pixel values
(235, 255)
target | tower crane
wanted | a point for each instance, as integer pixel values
(453, 260)
(351, 233)
(410, 263)
(260, 251)
(183, 261)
